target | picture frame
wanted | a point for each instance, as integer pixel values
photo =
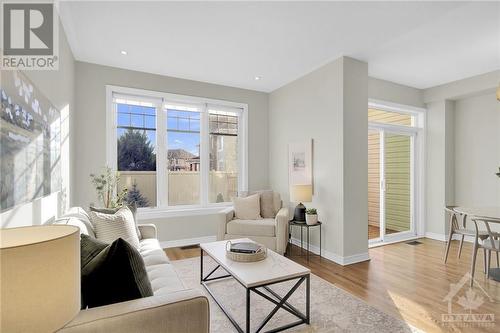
(30, 136)
(300, 163)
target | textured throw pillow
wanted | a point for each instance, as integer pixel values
(132, 207)
(109, 227)
(267, 205)
(270, 202)
(116, 274)
(247, 208)
(89, 248)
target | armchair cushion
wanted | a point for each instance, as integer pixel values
(267, 205)
(264, 227)
(270, 202)
(247, 208)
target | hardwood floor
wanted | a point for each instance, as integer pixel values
(374, 231)
(407, 281)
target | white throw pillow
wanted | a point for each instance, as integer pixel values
(247, 208)
(270, 202)
(110, 227)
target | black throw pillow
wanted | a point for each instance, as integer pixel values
(116, 274)
(89, 248)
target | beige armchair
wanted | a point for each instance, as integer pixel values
(271, 231)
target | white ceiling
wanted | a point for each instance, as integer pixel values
(419, 44)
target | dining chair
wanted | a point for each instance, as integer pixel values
(460, 229)
(491, 243)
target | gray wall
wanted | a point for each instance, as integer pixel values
(463, 148)
(328, 106)
(58, 87)
(90, 151)
(477, 151)
(439, 144)
(392, 92)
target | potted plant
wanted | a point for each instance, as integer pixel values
(311, 216)
(105, 185)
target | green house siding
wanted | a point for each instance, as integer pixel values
(397, 174)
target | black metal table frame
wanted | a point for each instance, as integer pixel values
(278, 301)
(302, 225)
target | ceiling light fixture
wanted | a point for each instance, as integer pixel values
(257, 78)
(123, 52)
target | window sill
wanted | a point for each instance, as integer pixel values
(158, 213)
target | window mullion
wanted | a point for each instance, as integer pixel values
(161, 157)
(204, 156)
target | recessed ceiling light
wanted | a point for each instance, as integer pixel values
(257, 78)
(123, 52)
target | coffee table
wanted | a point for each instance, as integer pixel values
(257, 277)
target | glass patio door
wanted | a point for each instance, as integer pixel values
(390, 185)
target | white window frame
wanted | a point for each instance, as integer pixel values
(418, 132)
(161, 99)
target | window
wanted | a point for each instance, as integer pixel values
(388, 117)
(223, 131)
(136, 149)
(183, 154)
(176, 151)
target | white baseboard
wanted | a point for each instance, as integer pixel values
(435, 236)
(187, 241)
(444, 238)
(332, 256)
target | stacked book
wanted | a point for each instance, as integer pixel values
(245, 247)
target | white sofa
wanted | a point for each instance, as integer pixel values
(271, 232)
(173, 308)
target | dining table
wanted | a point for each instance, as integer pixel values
(492, 214)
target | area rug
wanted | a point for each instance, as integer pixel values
(332, 309)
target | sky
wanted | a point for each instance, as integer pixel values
(145, 117)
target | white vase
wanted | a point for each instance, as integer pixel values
(311, 219)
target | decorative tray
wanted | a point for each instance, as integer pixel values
(260, 254)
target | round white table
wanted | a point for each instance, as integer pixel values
(491, 213)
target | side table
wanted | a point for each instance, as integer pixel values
(302, 225)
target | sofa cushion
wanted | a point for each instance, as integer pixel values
(116, 274)
(109, 227)
(77, 217)
(247, 208)
(264, 227)
(164, 279)
(152, 252)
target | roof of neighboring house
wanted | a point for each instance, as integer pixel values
(180, 154)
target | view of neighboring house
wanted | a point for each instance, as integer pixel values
(181, 160)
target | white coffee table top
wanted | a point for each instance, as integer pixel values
(272, 269)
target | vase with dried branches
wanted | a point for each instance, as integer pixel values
(106, 188)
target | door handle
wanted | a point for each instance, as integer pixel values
(383, 185)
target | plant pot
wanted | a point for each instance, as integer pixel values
(311, 219)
